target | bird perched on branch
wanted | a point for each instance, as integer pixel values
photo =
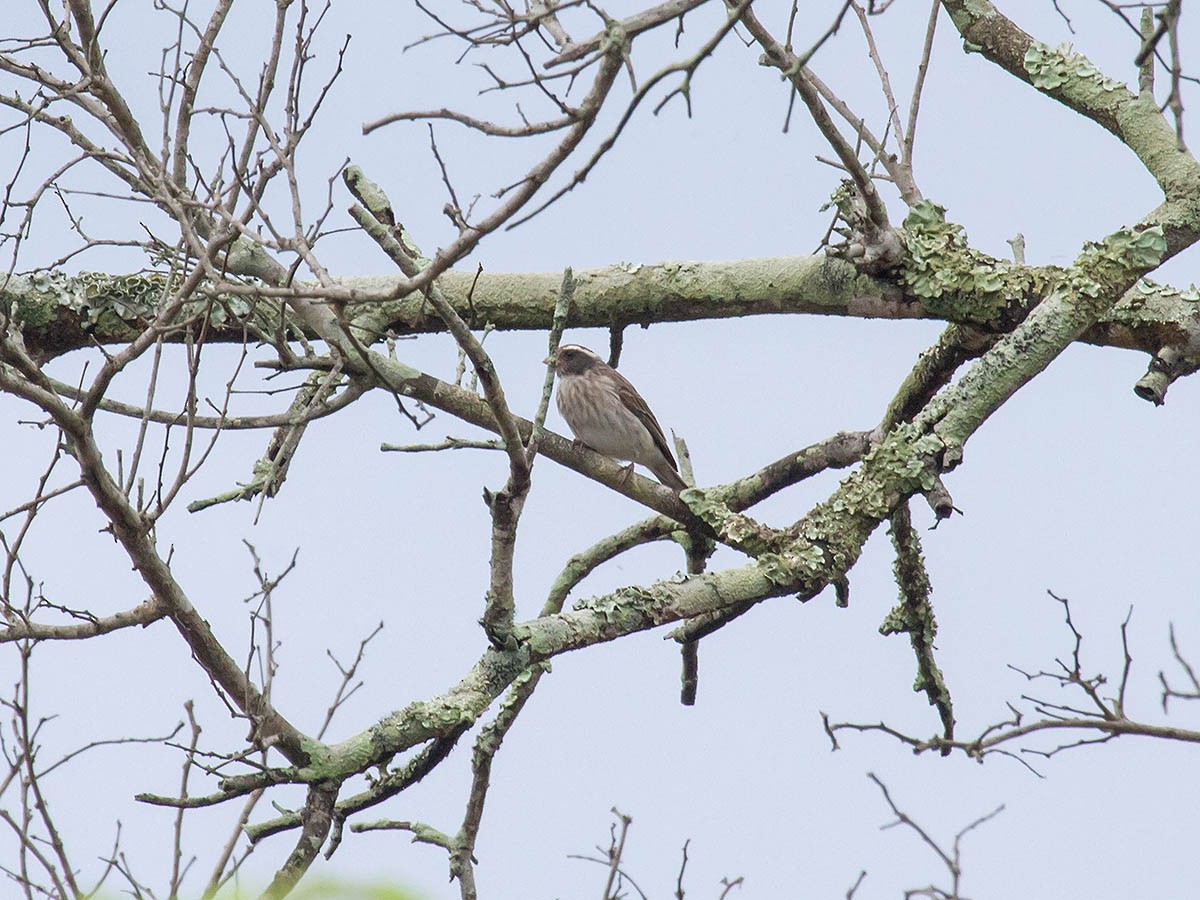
(606, 413)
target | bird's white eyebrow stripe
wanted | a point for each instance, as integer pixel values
(580, 348)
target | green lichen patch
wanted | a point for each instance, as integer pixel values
(1051, 68)
(1107, 265)
(738, 530)
(954, 281)
(1147, 288)
(901, 620)
(796, 565)
(101, 302)
(621, 601)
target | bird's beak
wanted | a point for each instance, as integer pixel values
(548, 360)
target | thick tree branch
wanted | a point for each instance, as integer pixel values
(317, 818)
(59, 314)
(1073, 80)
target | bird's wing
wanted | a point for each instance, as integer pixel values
(633, 400)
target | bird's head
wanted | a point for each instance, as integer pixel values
(574, 359)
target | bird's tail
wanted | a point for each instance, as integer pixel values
(666, 473)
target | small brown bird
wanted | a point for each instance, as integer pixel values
(606, 413)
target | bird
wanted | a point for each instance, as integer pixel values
(605, 412)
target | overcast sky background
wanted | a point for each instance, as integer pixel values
(1075, 486)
